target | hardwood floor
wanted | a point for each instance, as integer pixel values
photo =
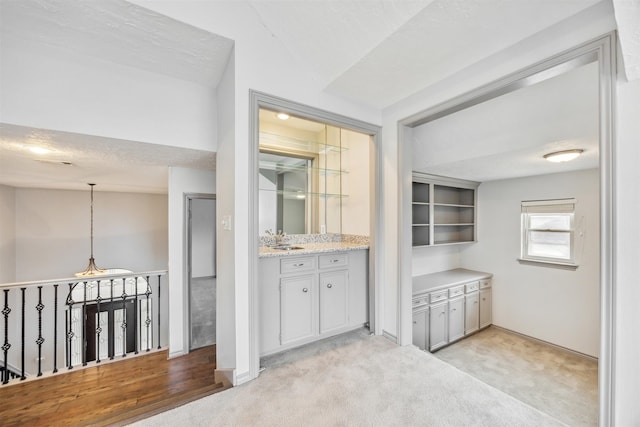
(113, 393)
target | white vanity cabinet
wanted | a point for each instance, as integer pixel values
(309, 297)
(297, 302)
(449, 305)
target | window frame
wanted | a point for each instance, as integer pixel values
(559, 207)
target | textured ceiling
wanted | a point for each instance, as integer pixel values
(373, 52)
(112, 164)
(507, 136)
(120, 32)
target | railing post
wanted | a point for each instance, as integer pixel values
(22, 376)
(158, 312)
(55, 328)
(40, 340)
(69, 327)
(135, 316)
(112, 327)
(124, 319)
(147, 321)
(98, 327)
(84, 325)
(6, 346)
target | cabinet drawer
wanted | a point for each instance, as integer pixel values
(454, 292)
(332, 260)
(484, 284)
(294, 265)
(471, 287)
(420, 301)
(438, 296)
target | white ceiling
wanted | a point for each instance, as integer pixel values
(373, 52)
(507, 136)
(115, 164)
(120, 32)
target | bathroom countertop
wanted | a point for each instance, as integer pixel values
(312, 248)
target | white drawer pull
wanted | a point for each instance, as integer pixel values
(299, 265)
(335, 260)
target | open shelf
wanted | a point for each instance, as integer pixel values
(279, 167)
(443, 210)
(296, 194)
(268, 139)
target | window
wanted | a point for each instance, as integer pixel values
(548, 231)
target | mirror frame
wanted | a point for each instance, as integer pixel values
(258, 100)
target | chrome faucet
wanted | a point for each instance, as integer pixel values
(279, 236)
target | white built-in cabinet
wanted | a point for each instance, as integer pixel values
(448, 306)
(309, 297)
(443, 210)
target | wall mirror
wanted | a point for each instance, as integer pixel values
(300, 175)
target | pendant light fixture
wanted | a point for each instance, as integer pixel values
(92, 269)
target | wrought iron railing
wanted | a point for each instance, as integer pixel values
(78, 321)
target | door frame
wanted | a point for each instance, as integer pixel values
(258, 100)
(602, 50)
(188, 198)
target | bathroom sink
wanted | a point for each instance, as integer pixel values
(286, 247)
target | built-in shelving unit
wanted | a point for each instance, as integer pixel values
(443, 210)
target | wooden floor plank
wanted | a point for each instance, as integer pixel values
(112, 393)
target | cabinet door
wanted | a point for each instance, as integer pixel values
(334, 301)
(472, 313)
(456, 319)
(438, 320)
(485, 308)
(420, 323)
(297, 313)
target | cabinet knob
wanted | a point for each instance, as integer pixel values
(305, 290)
(329, 285)
(334, 260)
(298, 265)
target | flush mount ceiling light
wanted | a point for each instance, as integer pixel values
(563, 156)
(92, 269)
(282, 116)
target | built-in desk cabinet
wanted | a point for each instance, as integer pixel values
(448, 312)
(306, 298)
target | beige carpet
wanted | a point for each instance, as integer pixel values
(559, 383)
(357, 380)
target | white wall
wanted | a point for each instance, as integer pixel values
(7, 234)
(47, 88)
(593, 22)
(356, 209)
(555, 305)
(53, 232)
(627, 253)
(181, 182)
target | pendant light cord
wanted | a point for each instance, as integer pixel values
(91, 219)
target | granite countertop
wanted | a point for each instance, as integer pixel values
(443, 279)
(312, 248)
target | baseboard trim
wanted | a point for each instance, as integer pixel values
(390, 336)
(243, 378)
(225, 376)
(556, 346)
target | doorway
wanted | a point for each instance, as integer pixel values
(201, 269)
(600, 51)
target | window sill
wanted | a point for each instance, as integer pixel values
(551, 264)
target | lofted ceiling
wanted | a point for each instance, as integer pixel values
(374, 53)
